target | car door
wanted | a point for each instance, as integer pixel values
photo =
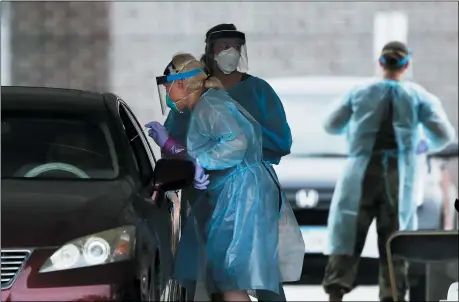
(163, 215)
(172, 197)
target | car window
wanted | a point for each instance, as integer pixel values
(57, 148)
(142, 136)
(311, 139)
(144, 164)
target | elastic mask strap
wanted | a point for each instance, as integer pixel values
(405, 60)
(187, 96)
(400, 63)
(178, 101)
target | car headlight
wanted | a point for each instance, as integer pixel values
(105, 247)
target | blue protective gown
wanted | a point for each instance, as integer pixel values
(358, 115)
(235, 245)
(177, 125)
(262, 102)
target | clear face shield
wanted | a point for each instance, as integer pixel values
(165, 82)
(229, 50)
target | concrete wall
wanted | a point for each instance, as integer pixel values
(121, 46)
(60, 44)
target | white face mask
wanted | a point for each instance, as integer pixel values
(228, 60)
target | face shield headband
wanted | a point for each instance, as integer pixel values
(230, 34)
(406, 57)
(171, 75)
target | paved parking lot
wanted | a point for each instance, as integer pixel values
(316, 293)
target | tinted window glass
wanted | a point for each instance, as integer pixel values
(142, 135)
(56, 148)
(144, 164)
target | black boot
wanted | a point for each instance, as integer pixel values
(335, 293)
(335, 298)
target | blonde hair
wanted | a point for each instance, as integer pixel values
(184, 62)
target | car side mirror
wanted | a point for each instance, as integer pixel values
(452, 150)
(173, 174)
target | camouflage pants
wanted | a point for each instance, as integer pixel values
(379, 200)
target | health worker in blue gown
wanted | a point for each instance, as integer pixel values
(231, 240)
(389, 124)
(226, 58)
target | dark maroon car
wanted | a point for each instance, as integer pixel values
(87, 212)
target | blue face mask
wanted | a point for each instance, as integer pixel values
(167, 81)
(171, 104)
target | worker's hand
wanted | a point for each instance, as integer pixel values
(158, 133)
(201, 179)
(422, 147)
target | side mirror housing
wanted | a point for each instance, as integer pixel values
(173, 174)
(452, 150)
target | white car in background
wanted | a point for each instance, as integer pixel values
(309, 174)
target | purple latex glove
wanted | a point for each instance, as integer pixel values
(158, 133)
(422, 147)
(201, 179)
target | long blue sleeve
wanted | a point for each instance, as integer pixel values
(433, 117)
(339, 115)
(277, 136)
(177, 125)
(261, 101)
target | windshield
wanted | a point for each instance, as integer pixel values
(56, 149)
(305, 115)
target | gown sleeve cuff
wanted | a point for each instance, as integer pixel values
(172, 147)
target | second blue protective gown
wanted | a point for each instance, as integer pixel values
(359, 115)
